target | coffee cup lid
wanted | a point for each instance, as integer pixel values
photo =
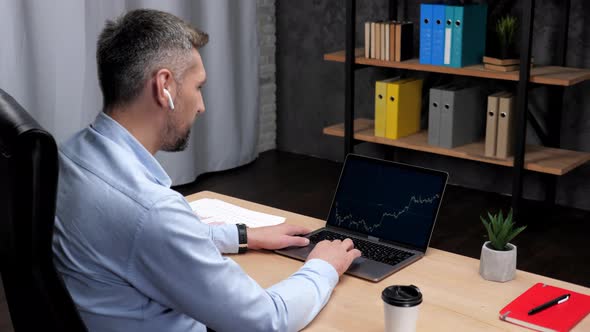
(402, 296)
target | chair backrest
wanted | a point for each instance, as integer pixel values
(36, 295)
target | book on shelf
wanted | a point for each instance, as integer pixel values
(389, 40)
(367, 39)
(500, 62)
(502, 68)
(385, 41)
(373, 40)
(378, 40)
(559, 317)
(503, 62)
(404, 41)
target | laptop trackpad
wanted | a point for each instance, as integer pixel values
(369, 269)
(360, 267)
(300, 253)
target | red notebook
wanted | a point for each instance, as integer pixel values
(560, 317)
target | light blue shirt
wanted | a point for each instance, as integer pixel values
(136, 258)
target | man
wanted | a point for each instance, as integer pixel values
(132, 253)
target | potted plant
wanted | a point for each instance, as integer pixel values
(498, 255)
(506, 32)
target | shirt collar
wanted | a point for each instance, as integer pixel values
(110, 128)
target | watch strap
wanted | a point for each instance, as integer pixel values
(242, 238)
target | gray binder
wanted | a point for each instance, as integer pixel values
(462, 116)
(434, 110)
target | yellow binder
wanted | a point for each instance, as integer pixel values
(381, 105)
(404, 102)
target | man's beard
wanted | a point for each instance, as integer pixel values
(178, 142)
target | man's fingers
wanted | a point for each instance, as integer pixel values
(296, 241)
(297, 230)
(354, 253)
(348, 244)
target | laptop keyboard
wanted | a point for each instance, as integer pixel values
(370, 250)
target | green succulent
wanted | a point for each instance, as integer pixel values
(506, 30)
(501, 231)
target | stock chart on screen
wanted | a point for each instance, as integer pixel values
(387, 201)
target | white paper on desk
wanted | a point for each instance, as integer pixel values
(211, 210)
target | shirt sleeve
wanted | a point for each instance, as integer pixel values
(176, 262)
(225, 237)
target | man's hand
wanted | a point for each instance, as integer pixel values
(339, 254)
(277, 237)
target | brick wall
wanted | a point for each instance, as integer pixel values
(266, 77)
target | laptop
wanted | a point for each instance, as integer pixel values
(388, 209)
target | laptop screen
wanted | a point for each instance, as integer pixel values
(388, 200)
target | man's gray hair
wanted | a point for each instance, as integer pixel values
(135, 46)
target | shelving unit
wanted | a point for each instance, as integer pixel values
(537, 158)
(548, 159)
(548, 75)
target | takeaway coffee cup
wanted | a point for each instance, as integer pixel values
(401, 304)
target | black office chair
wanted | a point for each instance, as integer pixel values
(36, 295)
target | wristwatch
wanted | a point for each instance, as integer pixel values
(242, 238)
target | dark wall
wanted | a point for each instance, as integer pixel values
(310, 91)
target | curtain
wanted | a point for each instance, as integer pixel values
(48, 64)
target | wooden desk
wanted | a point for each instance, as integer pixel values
(456, 298)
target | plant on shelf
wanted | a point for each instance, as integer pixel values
(506, 32)
(498, 255)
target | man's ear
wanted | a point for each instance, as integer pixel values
(164, 80)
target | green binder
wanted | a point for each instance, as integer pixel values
(468, 35)
(449, 23)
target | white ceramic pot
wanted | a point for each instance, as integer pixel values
(495, 265)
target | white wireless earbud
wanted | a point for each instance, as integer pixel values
(170, 102)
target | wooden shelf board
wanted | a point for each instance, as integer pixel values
(537, 158)
(550, 75)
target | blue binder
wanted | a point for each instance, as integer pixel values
(425, 33)
(438, 34)
(468, 35)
